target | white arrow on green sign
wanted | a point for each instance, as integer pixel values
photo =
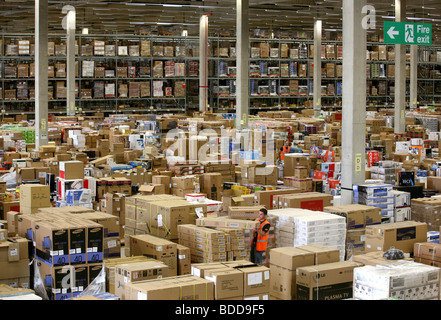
(407, 33)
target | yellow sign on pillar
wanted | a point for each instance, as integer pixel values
(43, 124)
(358, 163)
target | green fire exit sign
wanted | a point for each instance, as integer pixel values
(407, 33)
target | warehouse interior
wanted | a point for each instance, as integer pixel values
(220, 150)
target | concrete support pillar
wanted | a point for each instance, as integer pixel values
(414, 76)
(354, 99)
(242, 64)
(70, 24)
(400, 73)
(41, 66)
(317, 67)
(203, 63)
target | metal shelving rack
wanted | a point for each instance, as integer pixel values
(429, 86)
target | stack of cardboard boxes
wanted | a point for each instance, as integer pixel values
(33, 197)
(137, 271)
(427, 210)
(64, 246)
(185, 287)
(156, 248)
(160, 215)
(14, 261)
(329, 281)
(238, 280)
(399, 235)
(427, 253)
(286, 260)
(206, 244)
(357, 218)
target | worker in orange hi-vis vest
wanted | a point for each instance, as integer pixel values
(285, 149)
(260, 238)
(329, 155)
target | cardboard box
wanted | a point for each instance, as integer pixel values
(428, 250)
(322, 254)
(156, 248)
(138, 271)
(35, 196)
(51, 237)
(400, 235)
(434, 183)
(164, 217)
(70, 170)
(110, 267)
(186, 287)
(283, 266)
(256, 279)
(314, 201)
(245, 213)
(357, 216)
(230, 223)
(330, 281)
(228, 282)
(184, 182)
(211, 185)
(163, 180)
(266, 198)
(151, 188)
(184, 260)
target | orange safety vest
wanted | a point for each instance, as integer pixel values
(262, 242)
(285, 149)
(326, 156)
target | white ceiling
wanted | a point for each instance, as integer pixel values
(110, 16)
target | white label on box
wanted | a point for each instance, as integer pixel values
(72, 251)
(195, 272)
(254, 278)
(13, 252)
(53, 253)
(234, 225)
(181, 256)
(42, 174)
(142, 296)
(199, 212)
(159, 220)
(125, 280)
(251, 298)
(111, 244)
(266, 275)
(159, 248)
